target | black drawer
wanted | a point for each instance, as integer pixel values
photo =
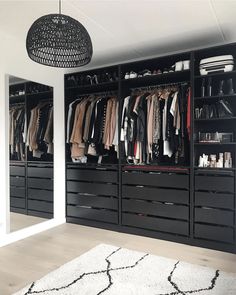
(214, 200)
(17, 202)
(105, 189)
(92, 175)
(17, 181)
(156, 209)
(215, 233)
(40, 183)
(92, 214)
(40, 172)
(214, 183)
(40, 214)
(156, 224)
(17, 170)
(17, 192)
(169, 180)
(155, 194)
(214, 216)
(40, 206)
(41, 195)
(92, 201)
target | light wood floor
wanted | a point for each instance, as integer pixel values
(34, 257)
(19, 221)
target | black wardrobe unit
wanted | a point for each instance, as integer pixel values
(167, 199)
(31, 179)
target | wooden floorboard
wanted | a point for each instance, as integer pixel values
(30, 259)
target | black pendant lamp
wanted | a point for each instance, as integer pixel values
(58, 40)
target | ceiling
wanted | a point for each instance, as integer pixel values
(123, 30)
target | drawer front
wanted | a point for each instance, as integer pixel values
(215, 233)
(156, 209)
(156, 179)
(214, 216)
(40, 183)
(214, 183)
(17, 170)
(92, 201)
(41, 195)
(40, 214)
(17, 192)
(214, 200)
(156, 224)
(92, 214)
(40, 206)
(17, 202)
(155, 194)
(40, 172)
(92, 175)
(93, 188)
(17, 181)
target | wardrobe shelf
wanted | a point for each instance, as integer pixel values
(89, 87)
(158, 77)
(214, 143)
(39, 162)
(212, 169)
(156, 167)
(215, 119)
(215, 97)
(215, 74)
(16, 97)
(91, 164)
(40, 93)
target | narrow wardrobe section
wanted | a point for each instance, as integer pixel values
(31, 149)
(151, 147)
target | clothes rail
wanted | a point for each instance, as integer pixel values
(98, 93)
(16, 104)
(160, 85)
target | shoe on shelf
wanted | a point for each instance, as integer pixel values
(221, 85)
(89, 79)
(159, 72)
(230, 86)
(127, 76)
(165, 71)
(154, 72)
(95, 79)
(147, 73)
(133, 75)
(170, 70)
(186, 65)
(179, 66)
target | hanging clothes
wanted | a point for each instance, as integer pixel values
(154, 126)
(17, 118)
(92, 127)
(40, 130)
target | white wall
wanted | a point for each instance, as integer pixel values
(14, 61)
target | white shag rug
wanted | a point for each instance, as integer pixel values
(110, 270)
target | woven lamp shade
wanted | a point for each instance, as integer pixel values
(58, 40)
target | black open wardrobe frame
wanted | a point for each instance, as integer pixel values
(181, 203)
